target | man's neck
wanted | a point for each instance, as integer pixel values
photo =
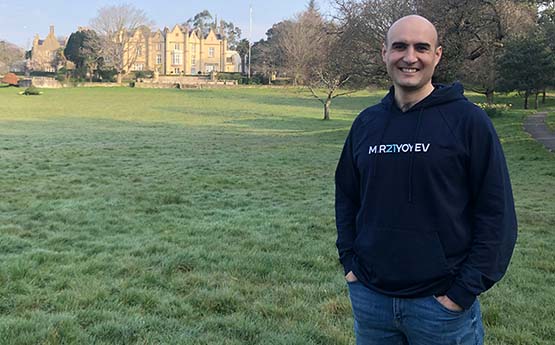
(406, 99)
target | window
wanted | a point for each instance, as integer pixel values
(193, 70)
(229, 60)
(211, 52)
(139, 51)
(159, 46)
(176, 58)
(193, 60)
(209, 68)
(176, 46)
(176, 70)
(138, 67)
(159, 59)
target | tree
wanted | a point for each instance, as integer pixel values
(243, 51)
(328, 75)
(115, 26)
(204, 21)
(267, 56)
(232, 34)
(9, 54)
(82, 49)
(473, 33)
(527, 66)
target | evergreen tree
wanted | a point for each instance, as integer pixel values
(527, 66)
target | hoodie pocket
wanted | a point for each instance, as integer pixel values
(400, 259)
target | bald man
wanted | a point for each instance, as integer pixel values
(424, 207)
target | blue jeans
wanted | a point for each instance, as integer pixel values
(384, 320)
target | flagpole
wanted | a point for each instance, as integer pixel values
(250, 40)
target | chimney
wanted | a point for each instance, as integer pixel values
(52, 30)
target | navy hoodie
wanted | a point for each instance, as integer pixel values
(423, 199)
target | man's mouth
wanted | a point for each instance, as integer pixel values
(408, 70)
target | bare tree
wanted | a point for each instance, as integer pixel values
(9, 54)
(299, 42)
(473, 35)
(115, 26)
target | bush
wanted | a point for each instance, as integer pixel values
(31, 91)
(494, 110)
(143, 74)
(107, 75)
(229, 76)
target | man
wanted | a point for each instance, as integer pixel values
(424, 208)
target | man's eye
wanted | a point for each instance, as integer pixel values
(399, 46)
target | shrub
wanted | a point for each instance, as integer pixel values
(32, 91)
(143, 74)
(229, 76)
(494, 110)
(10, 79)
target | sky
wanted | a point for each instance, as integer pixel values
(21, 20)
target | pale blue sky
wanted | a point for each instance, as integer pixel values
(20, 20)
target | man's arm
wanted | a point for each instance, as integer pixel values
(347, 204)
(494, 226)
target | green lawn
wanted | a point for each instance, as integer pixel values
(136, 216)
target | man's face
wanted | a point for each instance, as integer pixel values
(411, 53)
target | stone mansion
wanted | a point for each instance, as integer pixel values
(177, 51)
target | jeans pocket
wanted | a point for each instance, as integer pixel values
(445, 309)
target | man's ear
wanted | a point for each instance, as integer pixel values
(439, 53)
(384, 50)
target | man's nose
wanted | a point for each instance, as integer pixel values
(410, 56)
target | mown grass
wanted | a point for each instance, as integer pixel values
(135, 216)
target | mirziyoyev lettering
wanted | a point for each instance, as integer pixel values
(398, 148)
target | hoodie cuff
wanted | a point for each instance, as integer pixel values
(347, 263)
(461, 296)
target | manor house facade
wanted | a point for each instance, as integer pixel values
(178, 51)
(181, 51)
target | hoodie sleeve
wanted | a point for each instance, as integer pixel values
(494, 222)
(347, 203)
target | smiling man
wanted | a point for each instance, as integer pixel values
(424, 208)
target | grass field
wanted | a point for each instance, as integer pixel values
(134, 216)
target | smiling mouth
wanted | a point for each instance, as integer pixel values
(408, 70)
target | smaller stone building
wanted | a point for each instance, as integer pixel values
(45, 54)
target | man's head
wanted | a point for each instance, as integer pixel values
(411, 53)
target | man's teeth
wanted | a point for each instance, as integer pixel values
(409, 70)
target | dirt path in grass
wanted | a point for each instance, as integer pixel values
(536, 126)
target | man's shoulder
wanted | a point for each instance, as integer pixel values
(464, 110)
(369, 114)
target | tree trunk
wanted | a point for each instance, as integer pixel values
(543, 96)
(536, 100)
(526, 95)
(327, 106)
(119, 78)
(489, 96)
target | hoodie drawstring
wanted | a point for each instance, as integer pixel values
(375, 158)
